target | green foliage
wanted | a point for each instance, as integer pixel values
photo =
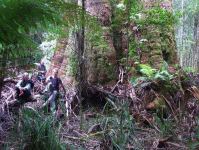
(95, 36)
(166, 126)
(150, 74)
(37, 55)
(73, 64)
(38, 132)
(136, 7)
(147, 70)
(194, 144)
(124, 10)
(134, 47)
(18, 19)
(119, 128)
(119, 14)
(189, 70)
(192, 8)
(163, 75)
(155, 17)
(160, 16)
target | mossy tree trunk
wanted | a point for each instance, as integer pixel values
(161, 40)
(101, 61)
(154, 47)
(117, 43)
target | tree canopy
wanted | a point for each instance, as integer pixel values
(19, 18)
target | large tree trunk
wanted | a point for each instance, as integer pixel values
(100, 63)
(161, 42)
(117, 37)
(57, 61)
(196, 47)
(81, 73)
(187, 34)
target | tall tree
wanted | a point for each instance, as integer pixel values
(186, 33)
(81, 77)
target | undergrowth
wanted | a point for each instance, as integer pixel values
(34, 131)
(119, 127)
(194, 143)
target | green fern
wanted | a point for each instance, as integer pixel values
(149, 74)
(163, 75)
(146, 70)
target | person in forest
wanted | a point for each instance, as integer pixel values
(41, 71)
(53, 86)
(23, 88)
(23, 93)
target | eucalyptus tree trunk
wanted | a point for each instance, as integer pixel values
(187, 33)
(57, 61)
(196, 47)
(101, 62)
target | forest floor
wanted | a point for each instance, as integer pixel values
(154, 115)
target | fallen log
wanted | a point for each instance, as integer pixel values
(14, 105)
(97, 96)
(9, 80)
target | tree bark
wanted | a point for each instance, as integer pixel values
(81, 76)
(196, 47)
(3, 70)
(161, 43)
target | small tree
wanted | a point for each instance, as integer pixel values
(19, 18)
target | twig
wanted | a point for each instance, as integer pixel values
(177, 145)
(86, 136)
(121, 79)
(113, 89)
(171, 108)
(112, 103)
(151, 124)
(168, 104)
(105, 92)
